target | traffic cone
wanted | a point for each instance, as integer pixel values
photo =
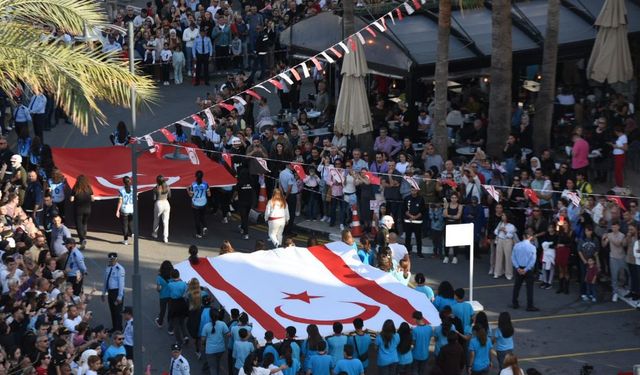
(262, 199)
(356, 228)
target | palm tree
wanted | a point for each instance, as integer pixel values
(441, 140)
(544, 103)
(80, 77)
(501, 66)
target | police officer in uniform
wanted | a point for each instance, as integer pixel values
(114, 290)
(414, 209)
(127, 312)
(179, 364)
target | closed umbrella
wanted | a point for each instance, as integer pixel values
(353, 115)
(610, 58)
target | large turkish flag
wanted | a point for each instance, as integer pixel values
(106, 166)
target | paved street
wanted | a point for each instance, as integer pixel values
(563, 336)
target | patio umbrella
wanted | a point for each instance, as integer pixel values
(610, 58)
(353, 115)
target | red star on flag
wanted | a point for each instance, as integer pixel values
(304, 296)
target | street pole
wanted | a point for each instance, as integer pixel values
(138, 363)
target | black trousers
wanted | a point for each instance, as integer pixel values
(115, 310)
(127, 223)
(243, 210)
(292, 200)
(222, 57)
(38, 120)
(202, 68)
(82, 220)
(519, 279)
(166, 72)
(198, 217)
(409, 229)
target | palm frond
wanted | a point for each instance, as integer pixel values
(71, 16)
(78, 77)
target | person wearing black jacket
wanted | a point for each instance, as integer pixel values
(264, 42)
(451, 359)
(244, 199)
(414, 209)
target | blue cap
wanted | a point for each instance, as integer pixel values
(280, 130)
(255, 137)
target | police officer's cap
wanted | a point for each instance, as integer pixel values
(112, 255)
(176, 348)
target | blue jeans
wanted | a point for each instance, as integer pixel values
(188, 58)
(591, 290)
(313, 204)
(511, 168)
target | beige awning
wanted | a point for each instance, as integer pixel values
(610, 59)
(353, 115)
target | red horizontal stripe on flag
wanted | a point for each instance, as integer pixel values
(213, 277)
(336, 265)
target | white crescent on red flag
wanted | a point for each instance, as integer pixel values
(299, 286)
(493, 192)
(411, 182)
(574, 197)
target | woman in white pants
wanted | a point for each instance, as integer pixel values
(276, 216)
(178, 62)
(161, 208)
(505, 239)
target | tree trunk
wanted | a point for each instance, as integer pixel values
(544, 105)
(440, 138)
(501, 77)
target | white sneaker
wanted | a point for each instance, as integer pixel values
(509, 277)
(496, 276)
(297, 213)
(593, 299)
(166, 83)
(584, 297)
(614, 297)
(445, 260)
(125, 242)
(165, 240)
(188, 73)
(225, 220)
(341, 226)
(154, 235)
(455, 260)
(204, 231)
(245, 237)
(490, 271)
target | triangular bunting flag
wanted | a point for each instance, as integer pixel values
(370, 31)
(344, 47)
(305, 70)
(493, 192)
(286, 78)
(416, 4)
(226, 106)
(299, 171)
(373, 179)
(275, 83)
(327, 57)
(193, 156)
(532, 196)
(451, 183)
(253, 93)
(411, 182)
(209, 114)
(316, 62)
(263, 164)
(378, 25)
(336, 175)
(199, 121)
(262, 87)
(158, 151)
(168, 135)
(617, 201)
(408, 8)
(239, 100)
(295, 74)
(335, 52)
(399, 14)
(227, 159)
(574, 197)
(393, 20)
(150, 143)
(361, 39)
(185, 124)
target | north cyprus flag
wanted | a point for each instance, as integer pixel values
(298, 286)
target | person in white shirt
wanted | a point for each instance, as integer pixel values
(398, 251)
(179, 364)
(511, 366)
(165, 57)
(188, 36)
(111, 45)
(37, 109)
(505, 239)
(277, 216)
(11, 273)
(72, 319)
(620, 147)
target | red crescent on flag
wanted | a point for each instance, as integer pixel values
(369, 312)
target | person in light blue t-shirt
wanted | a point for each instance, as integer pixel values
(286, 358)
(479, 351)
(422, 288)
(405, 356)
(320, 363)
(361, 341)
(503, 337)
(463, 310)
(213, 336)
(336, 343)
(162, 286)
(242, 348)
(311, 346)
(445, 296)
(387, 342)
(421, 334)
(348, 365)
